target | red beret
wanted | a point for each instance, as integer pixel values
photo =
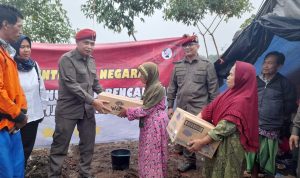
(193, 39)
(85, 34)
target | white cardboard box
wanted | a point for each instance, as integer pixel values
(184, 127)
(115, 101)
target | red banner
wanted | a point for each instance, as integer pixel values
(117, 70)
(116, 62)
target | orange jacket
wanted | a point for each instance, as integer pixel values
(12, 98)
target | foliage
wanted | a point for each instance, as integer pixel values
(247, 21)
(119, 14)
(191, 12)
(186, 11)
(44, 20)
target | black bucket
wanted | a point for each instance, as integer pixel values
(120, 159)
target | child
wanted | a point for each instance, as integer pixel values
(153, 120)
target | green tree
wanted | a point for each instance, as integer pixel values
(247, 21)
(121, 14)
(117, 15)
(45, 21)
(192, 12)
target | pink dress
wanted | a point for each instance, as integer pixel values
(153, 143)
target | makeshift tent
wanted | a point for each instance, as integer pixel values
(276, 27)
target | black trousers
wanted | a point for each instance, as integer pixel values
(28, 134)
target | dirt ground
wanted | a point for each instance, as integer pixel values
(101, 166)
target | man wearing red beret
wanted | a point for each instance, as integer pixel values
(193, 84)
(75, 105)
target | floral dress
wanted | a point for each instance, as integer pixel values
(153, 140)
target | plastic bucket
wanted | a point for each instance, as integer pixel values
(120, 159)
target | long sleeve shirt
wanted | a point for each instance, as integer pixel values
(12, 98)
(223, 129)
(77, 83)
(194, 83)
(35, 92)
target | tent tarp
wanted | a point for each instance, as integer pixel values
(273, 29)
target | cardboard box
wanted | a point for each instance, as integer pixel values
(184, 127)
(115, 101)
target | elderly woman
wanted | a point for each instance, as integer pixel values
(34, 89)
(235, 115)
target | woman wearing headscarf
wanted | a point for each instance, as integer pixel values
(34, 89)
(235, 115)
(153, 120)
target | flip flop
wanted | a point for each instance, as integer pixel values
(247, 174)
(261, 174)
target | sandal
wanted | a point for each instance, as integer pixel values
(280, 166)
(247, 174)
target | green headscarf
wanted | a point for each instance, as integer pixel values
(154, 91)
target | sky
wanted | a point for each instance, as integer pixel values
(156, 28)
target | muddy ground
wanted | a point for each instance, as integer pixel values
(101, 165)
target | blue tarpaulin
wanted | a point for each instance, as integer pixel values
(275, 28)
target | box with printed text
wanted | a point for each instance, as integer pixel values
(184, 127)
(115, 101)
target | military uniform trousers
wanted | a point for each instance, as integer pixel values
(64, 128)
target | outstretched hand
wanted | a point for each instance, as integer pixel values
(99, 105)
(123, 112)
(170, 112)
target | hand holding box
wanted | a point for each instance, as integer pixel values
(117, 102)
(101, 106)
(185, 127)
